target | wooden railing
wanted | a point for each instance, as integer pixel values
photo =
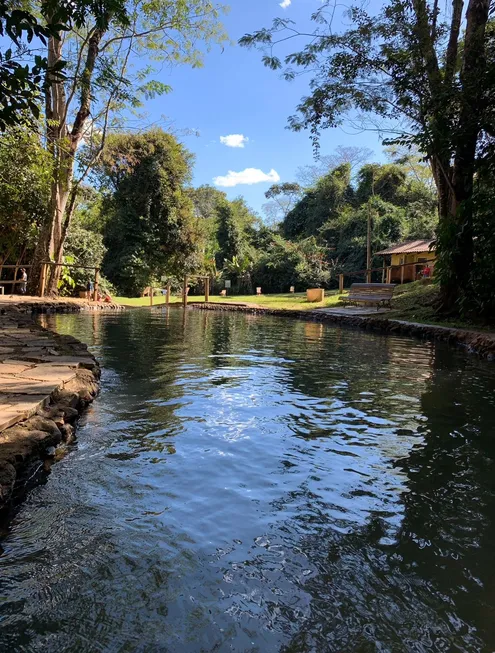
(14, 281)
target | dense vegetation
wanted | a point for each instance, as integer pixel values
(424, 75)
(76, 187)
(142, 222)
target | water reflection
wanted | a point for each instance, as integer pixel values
(253, 484)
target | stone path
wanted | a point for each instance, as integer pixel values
(353, 310)
(33, 364)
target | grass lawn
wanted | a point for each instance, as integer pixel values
(418, 302)
(413, 302)
(290, 301)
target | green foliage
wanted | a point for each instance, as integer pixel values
(401, 207)
(25, 175)
(66, 282)
(86, 248)
(20, 83)
(416, 71)
(483, 276)
(319, 204)
(151, 230)
(282, 198)
(234, 220)
(206, 200)
(283, 264)
(346, 235)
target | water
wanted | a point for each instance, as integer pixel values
(254, 484)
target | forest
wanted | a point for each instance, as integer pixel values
(140, 220)
(78, 187)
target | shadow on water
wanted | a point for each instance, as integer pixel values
(253, 484)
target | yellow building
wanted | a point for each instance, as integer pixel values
(408, 260)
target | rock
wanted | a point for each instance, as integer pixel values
(7, 480)
(68, 433)
(38, 423)
(46, 380)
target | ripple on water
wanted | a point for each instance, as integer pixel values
(254, 484)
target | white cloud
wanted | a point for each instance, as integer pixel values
(234, 140)
(285, 3)
(248, 176)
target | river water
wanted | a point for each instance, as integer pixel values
(258, 484)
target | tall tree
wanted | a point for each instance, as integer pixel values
(101, 85)
(425, 73)
(231, 237)
(283, 197)
(151, 230)
(25, 176)
(319, 204)
(355, 156)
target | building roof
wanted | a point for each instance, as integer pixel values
(411, 247)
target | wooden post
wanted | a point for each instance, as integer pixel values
(207, 289)
(341, 284)
(184, 293)
(151, 295)
(168, 294)
(15, 278)
(402, 274)
(389, 274)
(383, 271)
(43, 279)
(368, 246)
(97, 284)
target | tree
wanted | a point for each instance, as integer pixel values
(206, 200)
(100, 86)
(151, 228)
(20, 83)
(231, 239)
(346, 235)
(25, 175)
(283, 198)
(85, 248)
(354, 156)
(282, 264)
(319, 204)
(426, 77)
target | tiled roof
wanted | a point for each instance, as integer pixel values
(412, 247)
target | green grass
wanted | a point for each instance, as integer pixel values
(295, 301)
(413, 302)
(419, 301)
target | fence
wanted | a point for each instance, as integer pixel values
(185, 289)
(14, 281)
(44, 276)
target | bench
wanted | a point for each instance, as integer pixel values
(370, 293)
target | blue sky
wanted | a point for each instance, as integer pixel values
(235, 94)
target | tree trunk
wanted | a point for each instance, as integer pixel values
(63, 144)
(456, 227)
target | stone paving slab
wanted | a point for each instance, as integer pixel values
(71, 361)
(15, 385)
(353, 310)
(46, 372)
(14, 368)
(33, 364)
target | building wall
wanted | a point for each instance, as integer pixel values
(409, 272)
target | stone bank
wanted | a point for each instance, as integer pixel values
(46, 380)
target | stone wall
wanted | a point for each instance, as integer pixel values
(476, 342)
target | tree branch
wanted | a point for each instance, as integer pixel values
(452, 48)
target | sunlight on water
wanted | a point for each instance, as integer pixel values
(246, 483)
